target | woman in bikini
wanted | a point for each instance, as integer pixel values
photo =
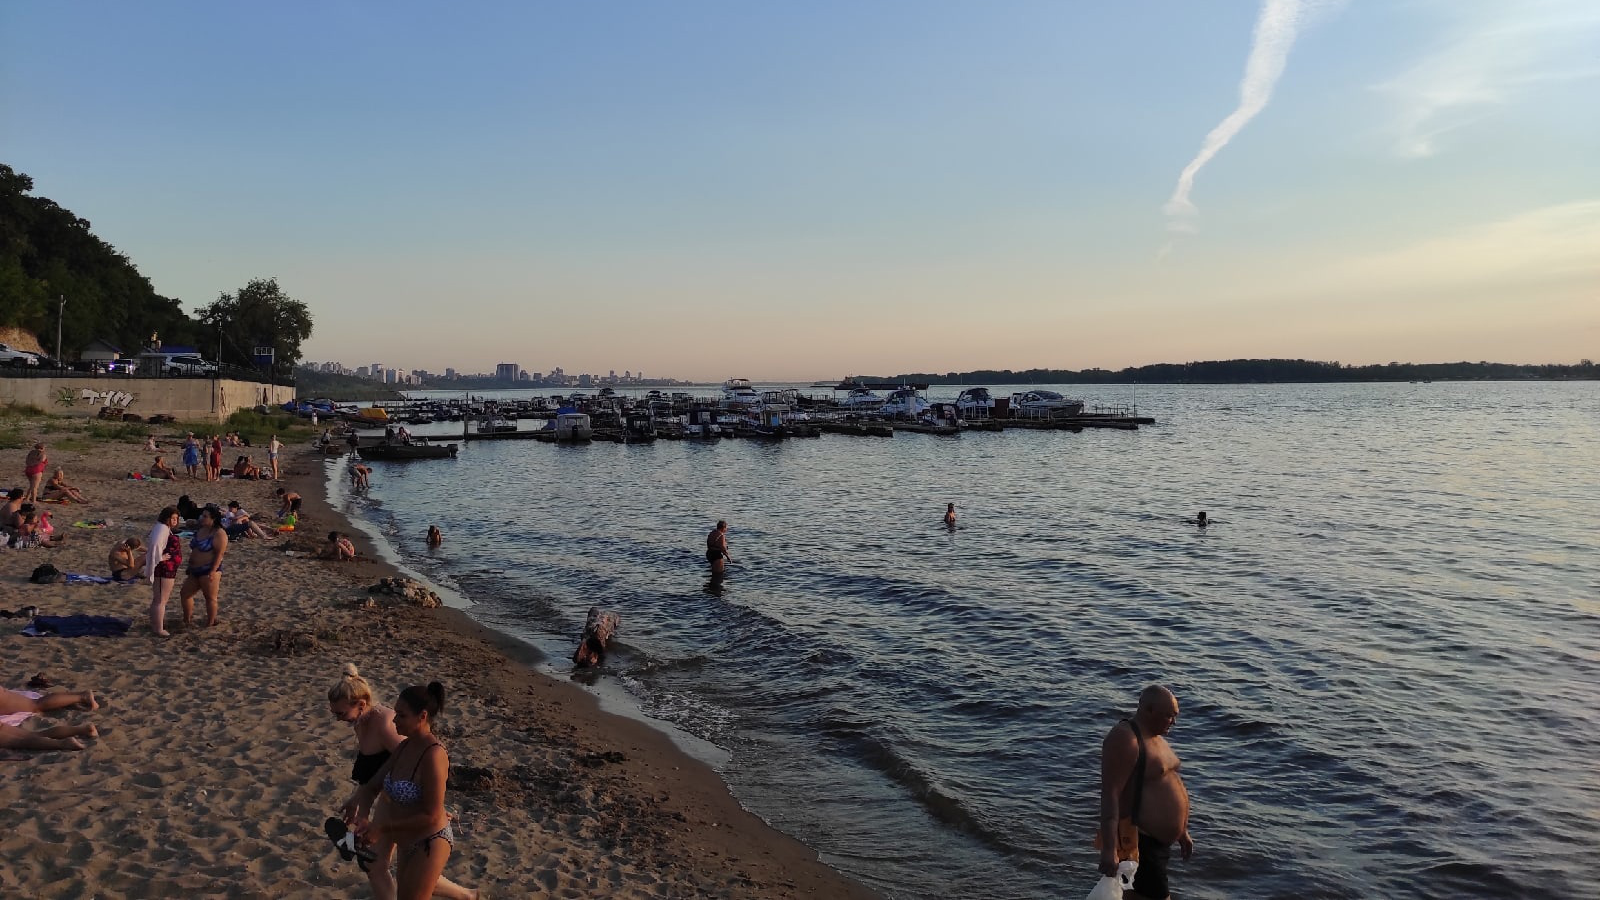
(350, 701)
(412, 782)
(126, 560)
(33, 469)
(59, 489)
(161, 565)
(206, 549)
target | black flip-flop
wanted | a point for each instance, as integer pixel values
(344, 840)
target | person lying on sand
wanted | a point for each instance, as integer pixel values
(59, 489)
(350, 701)
(17, 707)
(127, 560)
(338, 548)
(160, 469)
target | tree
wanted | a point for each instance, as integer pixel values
(259, 315)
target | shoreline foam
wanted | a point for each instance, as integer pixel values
(218, 761)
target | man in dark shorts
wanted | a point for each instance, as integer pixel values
(1140, 788)
(291, 502)
(717, 549)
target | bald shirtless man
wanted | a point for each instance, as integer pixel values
(1139, 780)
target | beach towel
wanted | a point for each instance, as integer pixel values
(15, 720)
(98, 523)
(78, 626)
(91, 579)
(157, 542)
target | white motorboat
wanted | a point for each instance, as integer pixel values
(904, 402)
(861, 399)
(737, 393)
(1043, 404)
(975, 403)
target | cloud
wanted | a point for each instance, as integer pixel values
(1495, 51)
(1277, 26)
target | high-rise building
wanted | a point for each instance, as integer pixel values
(450, 373)
(362, 372)
(389, 376)
(506, 372)
(522, 375)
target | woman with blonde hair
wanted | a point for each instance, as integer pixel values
(58, 489)
(350, 701)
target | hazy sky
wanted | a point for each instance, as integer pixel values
(802, 190)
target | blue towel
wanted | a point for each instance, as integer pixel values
(88, 579)
(78, 626)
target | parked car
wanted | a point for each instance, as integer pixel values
(10, 356)
(189, 365)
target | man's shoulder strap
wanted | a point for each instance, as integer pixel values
(1138, 772)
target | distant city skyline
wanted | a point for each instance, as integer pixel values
(809, 191)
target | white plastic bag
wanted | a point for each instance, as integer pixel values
(1109, 888)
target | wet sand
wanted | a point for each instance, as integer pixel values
(217, 761)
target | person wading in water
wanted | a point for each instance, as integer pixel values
(1144, 807)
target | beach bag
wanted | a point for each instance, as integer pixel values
(1109, 888)
(45, 574)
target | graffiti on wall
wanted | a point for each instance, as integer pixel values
(119, 399)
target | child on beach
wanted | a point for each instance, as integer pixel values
(338, 547)
(350, 700)
(412, 780)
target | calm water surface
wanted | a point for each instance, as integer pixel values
(1387, 649)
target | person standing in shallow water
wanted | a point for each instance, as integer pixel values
(1144, 808)
(950, 515)
(717, 549)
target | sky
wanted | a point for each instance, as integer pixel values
(719, 188)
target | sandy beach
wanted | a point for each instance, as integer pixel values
(217, 760)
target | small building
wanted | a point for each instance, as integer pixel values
(100, 351)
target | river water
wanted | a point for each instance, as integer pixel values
(1386, 648)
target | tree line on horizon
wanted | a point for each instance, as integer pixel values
(47, 254)
(1248, 371)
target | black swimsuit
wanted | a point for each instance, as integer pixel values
(367, 765)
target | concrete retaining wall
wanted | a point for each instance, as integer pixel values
(186, 398)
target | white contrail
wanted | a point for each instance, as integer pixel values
(1276, 28)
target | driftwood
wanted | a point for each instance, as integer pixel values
(597, 632)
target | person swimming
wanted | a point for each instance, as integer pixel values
(435, 536)
(1199, 520)
(950, 515)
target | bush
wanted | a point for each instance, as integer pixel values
(117, 431)
(257, 428)
(21, 410)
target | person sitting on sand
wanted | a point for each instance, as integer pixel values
(17, 707)
(29, 533)
(435, 536)
(244, 468)
(160, 469)
(412, 780)
(11, 511)
(59, 489)
(238, 524)
(338, 548)
(350, 701)
(127, 560)
(150, 444)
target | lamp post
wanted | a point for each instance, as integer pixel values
(61, 312)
